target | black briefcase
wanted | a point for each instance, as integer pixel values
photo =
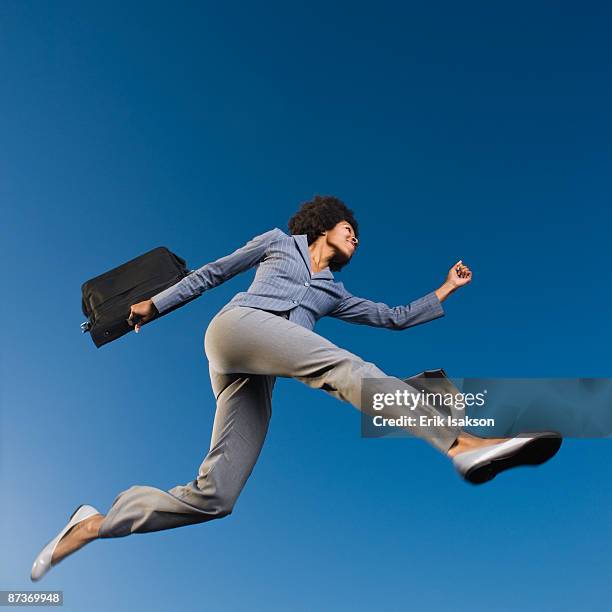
(437, 381)
(107, 298)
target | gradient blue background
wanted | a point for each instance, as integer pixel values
(475, 131)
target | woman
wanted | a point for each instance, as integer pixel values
(266, 332)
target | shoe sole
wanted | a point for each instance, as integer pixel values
(536, 452)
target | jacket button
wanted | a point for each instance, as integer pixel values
(307, 284)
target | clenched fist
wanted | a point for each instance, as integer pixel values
(459, 275)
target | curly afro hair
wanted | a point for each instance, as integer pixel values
(320, 214)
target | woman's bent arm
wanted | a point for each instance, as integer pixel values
(366, 312)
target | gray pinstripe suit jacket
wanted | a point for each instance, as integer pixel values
(284, 282)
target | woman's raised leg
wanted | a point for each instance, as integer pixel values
(247, 339)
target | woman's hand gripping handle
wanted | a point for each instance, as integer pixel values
(141, 313)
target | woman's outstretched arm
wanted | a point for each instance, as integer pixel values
(378, 314)
(214, 273)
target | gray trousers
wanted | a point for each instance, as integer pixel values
(247, 348)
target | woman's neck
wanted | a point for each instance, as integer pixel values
(320, 255)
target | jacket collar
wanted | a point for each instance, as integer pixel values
(302, 244)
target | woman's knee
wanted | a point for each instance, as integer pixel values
(216, 505)
(357, 367)
(225, 506)
(345, 373)
(221, 505)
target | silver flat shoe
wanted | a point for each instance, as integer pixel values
(42, 564)
(483, 464)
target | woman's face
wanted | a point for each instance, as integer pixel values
(343, 240)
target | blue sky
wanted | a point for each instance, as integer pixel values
(478, 132)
